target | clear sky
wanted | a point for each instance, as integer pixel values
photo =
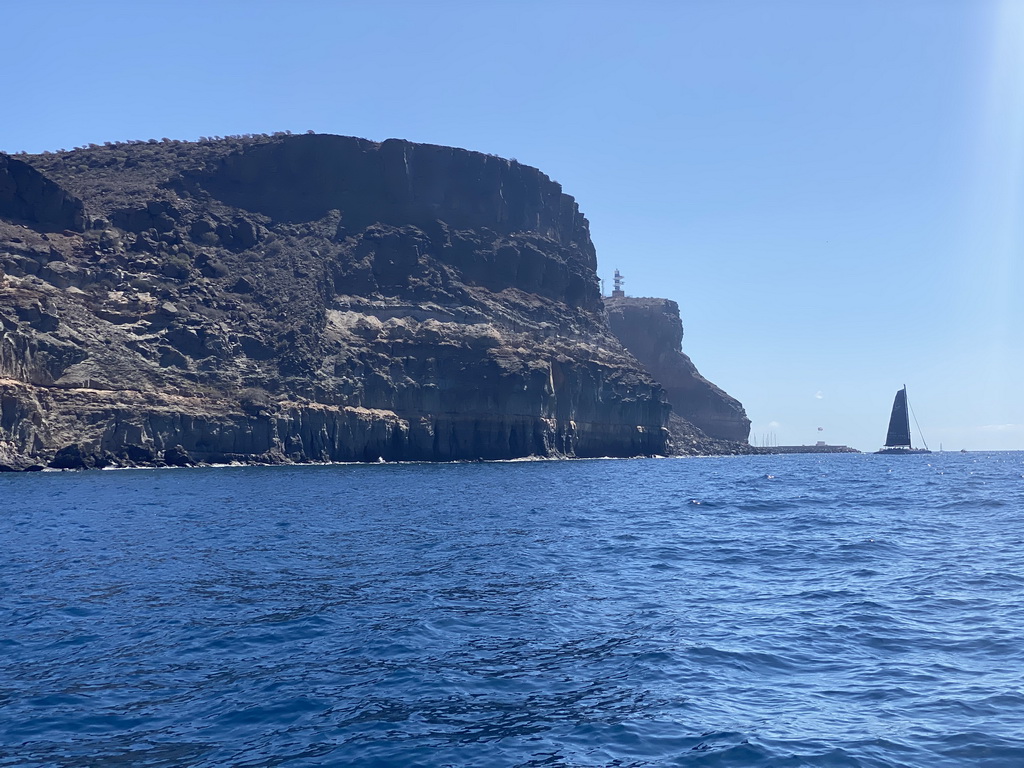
(832, 191)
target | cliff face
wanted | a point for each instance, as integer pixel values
(303, 298)
(27, 194)
(652, 331)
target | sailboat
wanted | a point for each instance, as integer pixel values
(897, 440)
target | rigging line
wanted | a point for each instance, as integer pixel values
(925, 442)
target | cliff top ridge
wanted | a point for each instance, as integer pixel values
(301, 177)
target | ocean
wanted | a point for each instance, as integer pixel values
(823, 610)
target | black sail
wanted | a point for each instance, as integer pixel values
(899, 422)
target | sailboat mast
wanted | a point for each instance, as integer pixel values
(906, 415)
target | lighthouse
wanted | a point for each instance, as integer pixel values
(617, 292)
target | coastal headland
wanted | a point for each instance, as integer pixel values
(315, 297)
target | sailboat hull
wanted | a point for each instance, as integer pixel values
(902, 451)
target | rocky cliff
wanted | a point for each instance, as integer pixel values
(652, 331)
(303, 298)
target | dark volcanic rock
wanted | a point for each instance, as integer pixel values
(28, 195)
(176, 456)
(397, 183)
(652, 331)
(75, 457)
(304, 298)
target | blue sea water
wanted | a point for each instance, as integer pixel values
(842, 610)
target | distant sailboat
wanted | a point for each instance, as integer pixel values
(897, 440)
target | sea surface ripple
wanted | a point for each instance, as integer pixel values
(843, 610)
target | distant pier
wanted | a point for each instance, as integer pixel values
(817, 448)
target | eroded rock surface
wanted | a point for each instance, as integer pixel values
(303, 298)
(651, 329)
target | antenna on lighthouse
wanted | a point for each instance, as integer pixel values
(617, 292)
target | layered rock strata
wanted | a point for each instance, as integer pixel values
(303, 298)
(651, 329)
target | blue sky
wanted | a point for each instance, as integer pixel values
(832, 191)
